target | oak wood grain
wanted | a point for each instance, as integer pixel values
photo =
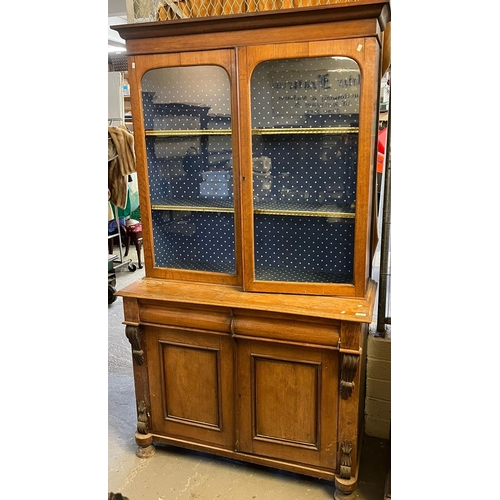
(359, 309)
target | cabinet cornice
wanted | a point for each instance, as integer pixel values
(351, 11)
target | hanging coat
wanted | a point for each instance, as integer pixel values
(121, 163)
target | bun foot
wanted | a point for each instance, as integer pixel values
(146, 448)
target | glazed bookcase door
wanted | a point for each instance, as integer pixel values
(188, 159)
(309, 169)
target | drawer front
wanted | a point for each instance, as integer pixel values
(217, 319)
(287, 328)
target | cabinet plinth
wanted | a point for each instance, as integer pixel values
(256, 160)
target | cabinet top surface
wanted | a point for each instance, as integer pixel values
(356, 309)
(345, 11)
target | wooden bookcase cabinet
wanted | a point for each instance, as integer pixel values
(262, 367)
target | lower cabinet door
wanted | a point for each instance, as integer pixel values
(191, 385)
(287, 402)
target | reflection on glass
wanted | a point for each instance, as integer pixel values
(187, 121)
(305, 119)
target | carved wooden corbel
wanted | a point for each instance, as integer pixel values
(142, 418)
(133, 334)
(349, 367)
(345, 459)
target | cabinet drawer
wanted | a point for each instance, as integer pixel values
(287, 327)
(217, 319)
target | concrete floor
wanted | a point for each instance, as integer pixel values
(177, 474)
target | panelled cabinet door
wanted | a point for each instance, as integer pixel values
(191, 384)
(185, 149)
(287, 402)
(306, 211)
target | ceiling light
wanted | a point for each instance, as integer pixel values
(111, 48)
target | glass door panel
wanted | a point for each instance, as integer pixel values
(305, 123)
(187, 121)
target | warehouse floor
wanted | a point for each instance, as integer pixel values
(177, 474)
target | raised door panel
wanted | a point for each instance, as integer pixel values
(191, 385)
(186, 398)
(288, 402)
(290, 389)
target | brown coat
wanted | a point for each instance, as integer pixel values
(121, 163)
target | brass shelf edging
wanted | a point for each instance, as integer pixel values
(186, 133)
(255, 131)
(192, 208)
(309, 130)
(259, 211)
(338, 215)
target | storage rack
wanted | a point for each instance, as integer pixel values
(120, 263)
